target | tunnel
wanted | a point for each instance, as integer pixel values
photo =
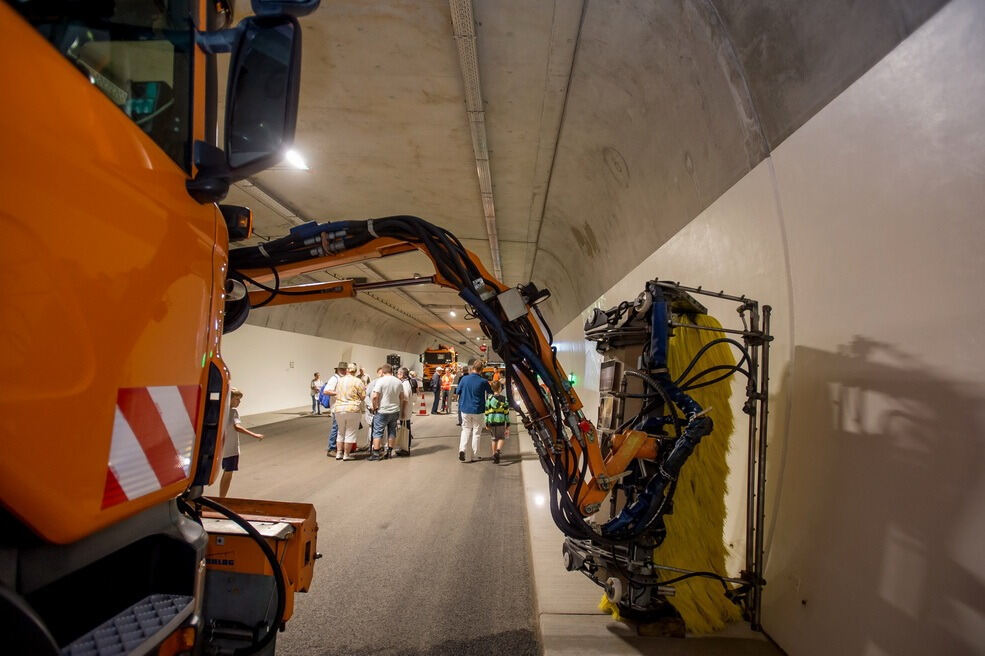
(824, 158)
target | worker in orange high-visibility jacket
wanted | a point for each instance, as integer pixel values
(446, 380)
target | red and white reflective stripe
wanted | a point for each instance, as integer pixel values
(153, 438)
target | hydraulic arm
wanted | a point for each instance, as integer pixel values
(582, 467)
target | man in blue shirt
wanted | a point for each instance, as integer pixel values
(472, 391)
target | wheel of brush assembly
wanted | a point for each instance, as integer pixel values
(568, 558)
(643, 302)
(613, 590)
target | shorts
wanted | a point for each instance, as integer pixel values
(230, 463)
(385, 422)
(498, 432)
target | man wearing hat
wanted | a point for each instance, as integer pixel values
(329, 391)
(436, 386)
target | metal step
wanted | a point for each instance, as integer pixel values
(136, 630)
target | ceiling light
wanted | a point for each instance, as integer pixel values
(468, 330)
(294, 158)
(452, 314)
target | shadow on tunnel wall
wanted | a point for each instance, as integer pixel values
(880, 510)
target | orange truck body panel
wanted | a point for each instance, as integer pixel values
(239, 553)
(112, 282)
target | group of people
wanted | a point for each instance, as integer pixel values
(381, 406)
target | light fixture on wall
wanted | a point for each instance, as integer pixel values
(452, 314)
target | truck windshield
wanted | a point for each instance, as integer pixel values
(137, 52)
(437, 358)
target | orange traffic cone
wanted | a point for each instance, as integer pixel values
(424, 407)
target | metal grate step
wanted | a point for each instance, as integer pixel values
(137, 629)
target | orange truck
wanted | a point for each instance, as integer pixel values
(114, 394)
(493, 371)
(442, 356)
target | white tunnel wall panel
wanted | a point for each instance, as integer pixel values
(882, 504)
(273, 368)
(864, 231)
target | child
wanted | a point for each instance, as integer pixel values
(497, 418)
(230, 447)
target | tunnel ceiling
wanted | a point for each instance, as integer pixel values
(610, 125)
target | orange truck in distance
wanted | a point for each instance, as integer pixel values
(442, 356)
(114, 393)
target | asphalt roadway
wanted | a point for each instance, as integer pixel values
(422, 555)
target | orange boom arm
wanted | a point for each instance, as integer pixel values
(568, 440)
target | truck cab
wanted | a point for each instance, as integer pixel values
(114, 392)
(432, 358)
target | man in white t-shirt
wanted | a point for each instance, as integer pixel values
(387, 397)
(329, 391)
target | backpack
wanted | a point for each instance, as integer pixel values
(324, 399)
(497, 411)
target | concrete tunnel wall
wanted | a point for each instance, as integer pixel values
(863, 229)
(273, 368)
(671, 103)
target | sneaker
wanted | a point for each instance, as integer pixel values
(458, 424)
(496, 457)
(461, 456)
(331, 452)
(374, 456)
(389, 453)
(339, 457)
(346, 458)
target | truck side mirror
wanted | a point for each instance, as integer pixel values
(262, 96)
(261, 102)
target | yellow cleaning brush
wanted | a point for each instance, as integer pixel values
(695, 529)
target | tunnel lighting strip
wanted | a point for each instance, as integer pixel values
(463, 25)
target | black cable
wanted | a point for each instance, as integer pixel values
(731, 369)
(691, 575)
(262, 643)
(704, 349)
